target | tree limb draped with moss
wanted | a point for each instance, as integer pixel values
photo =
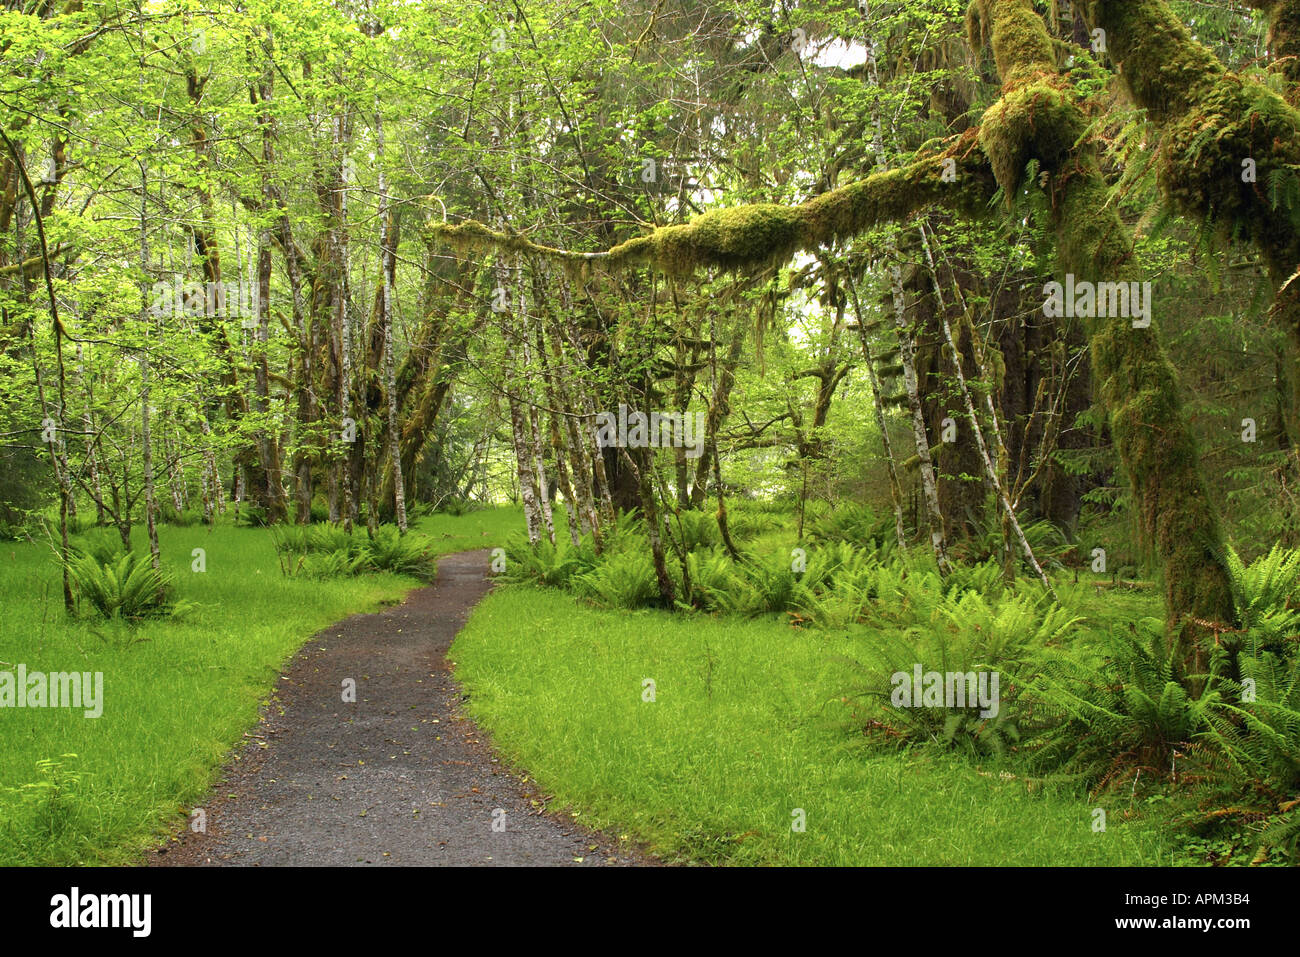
(1213, 123)
(1037, 118)
(759, 234)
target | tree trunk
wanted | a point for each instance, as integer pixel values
(907, 353)
(1136, 382)
(878, 408)
(388, 242)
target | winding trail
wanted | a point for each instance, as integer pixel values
(401, 776)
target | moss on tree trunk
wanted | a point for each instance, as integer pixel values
(1134, 379)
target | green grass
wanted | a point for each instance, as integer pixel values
(178, 693)
(747, 726)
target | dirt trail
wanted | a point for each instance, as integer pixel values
(398, 777)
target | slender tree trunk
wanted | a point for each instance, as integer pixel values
(878, 408)
(387, 240)
(57, 453)
(654, 529)
(343, 327)
(1010, 522)
(563, 380)
(575, 514)
(534, 436)
(146, 442)
(907, 352)
(588, 429)
(719, 409)
(268, 447)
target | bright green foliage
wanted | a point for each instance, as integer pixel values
(966, 633)
(624, 580)
(179, 694)
(856, 524)
(1262, 591)
(554, 566)
(124, 586)
(390, 551)
(748, 723)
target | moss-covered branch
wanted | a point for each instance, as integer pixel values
(1227, 142)
(1213, 121)
(761, 233)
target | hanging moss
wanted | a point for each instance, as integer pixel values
(1165, 70)
(1201, 165)
(1284, 39)
(731, 238)
(1022, 47)
(1036, 118)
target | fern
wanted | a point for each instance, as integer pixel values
(1261, 592)
(391, 551)
(1104, 720)
(966, 632)
(554, 566)
(714, 580)
(336, 564)
(125, 585)
(625, 580)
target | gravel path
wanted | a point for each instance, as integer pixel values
(401, 776)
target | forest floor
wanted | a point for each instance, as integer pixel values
(399, 776)
(725, 740)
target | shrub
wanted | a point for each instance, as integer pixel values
(855, 524)
(765, 585)
(252, 516)
(1110, 717)
(1262, 592)
(694, 529)
(186, 518)
(103, 546)
(986, 543)
(745, 525)
(713, 578)
(327, 551)
(336, 564)
(333, 538)
(967, 633)
(1256, 731)
(838, 586)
